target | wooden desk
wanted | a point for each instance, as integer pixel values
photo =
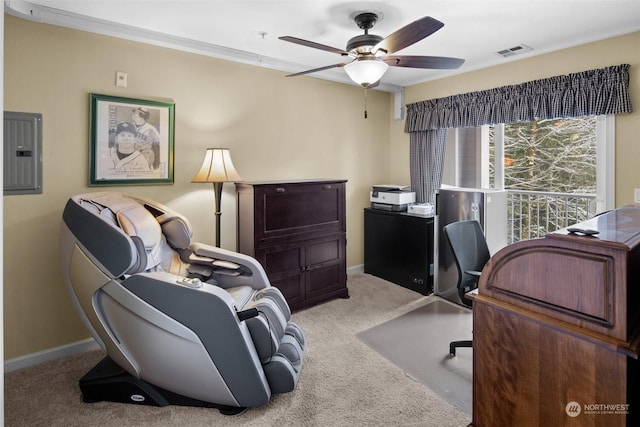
(557, 328)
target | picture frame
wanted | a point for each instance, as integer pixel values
(131, 141)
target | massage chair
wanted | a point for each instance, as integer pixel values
(181, 323)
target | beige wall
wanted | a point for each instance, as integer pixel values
(276, 128)
(615, 51)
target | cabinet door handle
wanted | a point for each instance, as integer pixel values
(280, 190)
(327, 187)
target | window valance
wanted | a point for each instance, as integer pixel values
(601, 91)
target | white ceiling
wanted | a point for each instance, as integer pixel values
(248, 31)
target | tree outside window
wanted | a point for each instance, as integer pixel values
(550, 171)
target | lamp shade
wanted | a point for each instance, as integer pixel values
(217, 167)
(366, 71)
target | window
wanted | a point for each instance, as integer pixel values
(557, 171)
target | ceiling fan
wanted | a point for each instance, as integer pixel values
(372, 54)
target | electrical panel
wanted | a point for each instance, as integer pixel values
(22, 153)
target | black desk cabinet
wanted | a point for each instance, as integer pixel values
(398, 247)
(297, 231)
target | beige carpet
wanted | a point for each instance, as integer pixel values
(343, 381)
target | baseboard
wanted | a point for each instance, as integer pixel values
(50, 354)
(356, 269)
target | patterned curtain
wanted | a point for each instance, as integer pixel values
(426, 159)
(594, 92)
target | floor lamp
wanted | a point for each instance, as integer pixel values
(217, 168)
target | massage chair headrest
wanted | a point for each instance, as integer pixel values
(175, 227)
(120, 216)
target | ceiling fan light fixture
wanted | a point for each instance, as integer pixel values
(366, 71)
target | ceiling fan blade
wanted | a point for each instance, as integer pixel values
(434, 62)
(316, 70)
(314, 45)
(409, 34)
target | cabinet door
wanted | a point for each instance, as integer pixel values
(283, 211)
(307, 272)
(325, 267)
(285, 267)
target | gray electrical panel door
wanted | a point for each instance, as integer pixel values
(22, 153)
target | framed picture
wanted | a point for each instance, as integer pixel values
(131, 141)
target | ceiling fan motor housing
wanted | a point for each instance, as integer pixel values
(366, 41)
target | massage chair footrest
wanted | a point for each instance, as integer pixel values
(109, 382)
(283, 370)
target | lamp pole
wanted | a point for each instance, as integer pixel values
(217, 192)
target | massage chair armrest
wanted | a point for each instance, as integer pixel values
(159, 281)
(251, 272)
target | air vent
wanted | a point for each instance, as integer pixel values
(516, 50)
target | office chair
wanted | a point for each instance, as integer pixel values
(181, 323)
(471, 253)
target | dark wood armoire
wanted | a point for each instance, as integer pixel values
(297, 231)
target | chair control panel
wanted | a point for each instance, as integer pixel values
(191, 282)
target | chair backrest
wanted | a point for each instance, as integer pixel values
(100, 220)
(470, 252)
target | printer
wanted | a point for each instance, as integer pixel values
(389, 197)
